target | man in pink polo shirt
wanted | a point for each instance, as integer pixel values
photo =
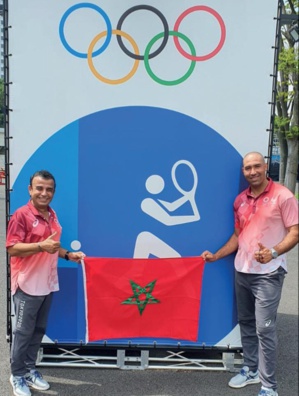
(33, 243)
(266, 227)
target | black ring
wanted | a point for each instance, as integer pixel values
(166, 31)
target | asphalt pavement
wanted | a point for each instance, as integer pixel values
(159, 382)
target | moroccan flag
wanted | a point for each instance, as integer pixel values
(128, 298)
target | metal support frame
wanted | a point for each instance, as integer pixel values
(7, 137)
(141, 359)
(126, 362)
(272, 103)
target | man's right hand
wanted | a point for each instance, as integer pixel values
(50, 245)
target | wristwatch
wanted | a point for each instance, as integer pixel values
(66, 256)
(274, 253)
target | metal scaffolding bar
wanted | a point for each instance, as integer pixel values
(141, 359)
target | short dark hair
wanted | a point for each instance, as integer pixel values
(44, 174)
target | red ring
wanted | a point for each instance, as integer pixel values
(222, 37)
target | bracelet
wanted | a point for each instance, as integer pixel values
(66, 256)
(39, 247)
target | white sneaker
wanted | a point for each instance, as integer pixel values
(245, 377)
(35, 380)
(267, 392)
(19, 386)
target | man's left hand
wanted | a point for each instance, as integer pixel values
(76, 256)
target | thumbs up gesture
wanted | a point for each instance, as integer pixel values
(263, 255)
(50, 245)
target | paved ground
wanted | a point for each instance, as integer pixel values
(115, 382)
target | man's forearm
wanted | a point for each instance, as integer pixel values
(290, 241)
(24, 249)
(230, 247)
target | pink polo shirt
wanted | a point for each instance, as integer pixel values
(36, 274)
(264, 219)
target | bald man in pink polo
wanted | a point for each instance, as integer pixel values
(266, 228)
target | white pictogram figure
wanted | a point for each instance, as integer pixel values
(160, 211)
(149, 244)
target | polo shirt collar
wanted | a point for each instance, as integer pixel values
(35, 211)
(266, 190)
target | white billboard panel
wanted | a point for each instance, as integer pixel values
(52, 87)
(136, 109)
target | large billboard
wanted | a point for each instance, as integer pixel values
(143, 113)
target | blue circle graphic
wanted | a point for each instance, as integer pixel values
(102, 183)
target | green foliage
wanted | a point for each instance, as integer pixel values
(286, 119)
(291, 4)
(285, 95)
(288, 61)
(282, 124)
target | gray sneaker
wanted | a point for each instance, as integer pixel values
(19, 386)
(35, 380)
(245, 377)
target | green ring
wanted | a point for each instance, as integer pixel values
(147, 52)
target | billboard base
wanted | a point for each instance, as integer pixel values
(141, 359)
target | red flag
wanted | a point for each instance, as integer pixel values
(128, 298)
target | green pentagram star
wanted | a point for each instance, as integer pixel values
(138, 291)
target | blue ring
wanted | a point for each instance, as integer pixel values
(64, 18)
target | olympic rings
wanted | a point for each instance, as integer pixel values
(146, 57)
(136, 53)
(165, 24)
(222, 37)
(95, 72)
(64, 18)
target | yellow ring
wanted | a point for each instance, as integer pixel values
(91, 65)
